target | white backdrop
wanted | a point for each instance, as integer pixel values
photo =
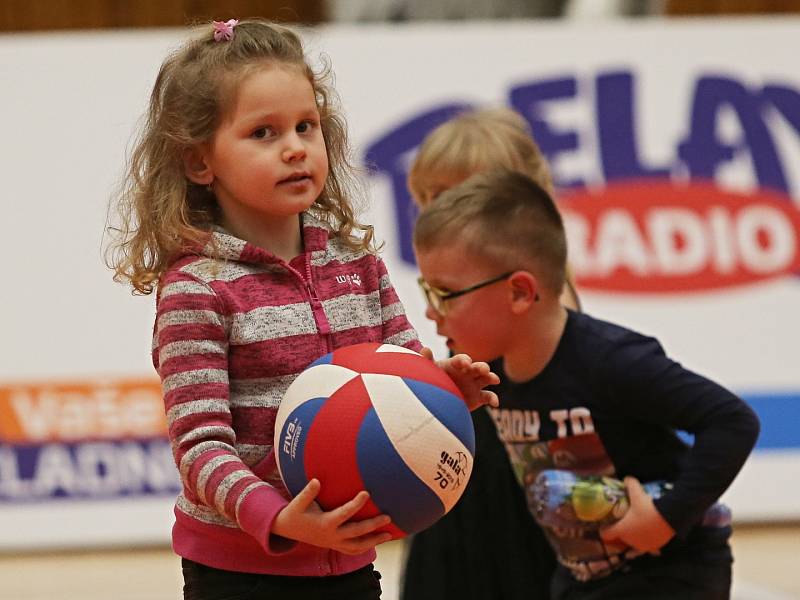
(83, 458)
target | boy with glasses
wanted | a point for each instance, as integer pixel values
(448, 560)
(582, 394)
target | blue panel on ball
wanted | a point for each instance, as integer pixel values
(325, 359)
(393, 487)
(293, 440)
(448, 409)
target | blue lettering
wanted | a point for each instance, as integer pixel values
(616, 129)
(703, 151)
(87, 469)
(390, 155)
(528, 100)
(787, 101)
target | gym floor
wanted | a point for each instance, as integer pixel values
(767, 568)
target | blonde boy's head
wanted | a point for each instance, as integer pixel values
(473, 142)
(503, 217)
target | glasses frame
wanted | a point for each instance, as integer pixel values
(437, 297)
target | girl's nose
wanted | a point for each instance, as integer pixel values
(294, 150)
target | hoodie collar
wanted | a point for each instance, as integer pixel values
(226, 246)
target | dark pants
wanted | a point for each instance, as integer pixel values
(206, 583)
(699, 570)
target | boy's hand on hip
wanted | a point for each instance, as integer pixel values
(642, 528)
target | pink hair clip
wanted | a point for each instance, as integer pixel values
(223, 30)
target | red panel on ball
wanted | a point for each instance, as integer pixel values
(364, 359)
(329, 454)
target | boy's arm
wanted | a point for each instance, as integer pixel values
(648, 386)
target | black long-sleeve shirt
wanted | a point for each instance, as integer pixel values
(609, 402)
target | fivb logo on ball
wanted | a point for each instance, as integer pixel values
(380, 418)
(292, 437)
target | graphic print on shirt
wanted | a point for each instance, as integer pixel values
(561, 439)
(351, 280)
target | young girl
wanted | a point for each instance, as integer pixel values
(236, 210)
(450, 559)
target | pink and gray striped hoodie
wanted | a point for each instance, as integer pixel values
(230, 336)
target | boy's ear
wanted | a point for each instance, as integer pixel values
(196, 167)
(524, 291)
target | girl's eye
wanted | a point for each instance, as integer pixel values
(262, 132)
(305, 126)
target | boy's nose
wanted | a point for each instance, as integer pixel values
(432, 314)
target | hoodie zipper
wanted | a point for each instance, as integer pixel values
(321, 319)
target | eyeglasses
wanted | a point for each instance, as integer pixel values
(437, 297)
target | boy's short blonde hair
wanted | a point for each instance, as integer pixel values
(504, 217)
(477, 141)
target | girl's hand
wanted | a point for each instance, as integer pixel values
(642, 527)
(470, 377)
(303, 520)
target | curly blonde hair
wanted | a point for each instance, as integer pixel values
(162, 213)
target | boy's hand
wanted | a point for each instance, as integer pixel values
(642, 527)
(303, 520)
(470, 377)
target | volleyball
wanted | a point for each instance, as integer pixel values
(381, 418)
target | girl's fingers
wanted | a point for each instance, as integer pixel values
(360, 529)
(461, 362)
(307, 495)
(347, 510)
(491, 399)
(480, 368)
(364, 543)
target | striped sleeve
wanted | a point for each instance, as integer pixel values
(396, 328)
(190, 353)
